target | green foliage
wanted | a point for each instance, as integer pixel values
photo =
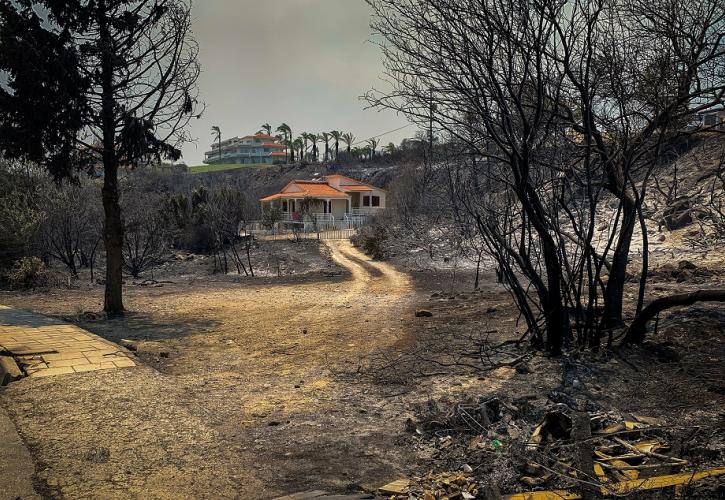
(271, 216)
(372, 239)
(20, 213)
(218, 167)
(28, 272)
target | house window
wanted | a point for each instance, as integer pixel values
(375, 201)
(366, 201)
(284, 206)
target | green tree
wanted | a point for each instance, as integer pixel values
(266, 128)
(305, 136)
(111, 79)
(287, 132)
(325, 137)
(372, 144)
(348, 139)
(314, 139)
(336, 135)
(299, 146)
(216, 133)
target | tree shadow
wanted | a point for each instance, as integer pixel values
(143, 326)
(26, 319)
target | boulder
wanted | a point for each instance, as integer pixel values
(677, 215)
(423, 313)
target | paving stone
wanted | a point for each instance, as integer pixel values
(47, 372)
(124, 363)
(34, 339)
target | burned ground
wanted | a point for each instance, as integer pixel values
(263, 386)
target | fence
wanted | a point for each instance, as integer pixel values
(321, 230)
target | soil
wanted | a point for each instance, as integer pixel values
(326, 379)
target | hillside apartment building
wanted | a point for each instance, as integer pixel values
(250, 149)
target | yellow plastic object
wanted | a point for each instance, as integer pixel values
(544, 495)
(656, 482)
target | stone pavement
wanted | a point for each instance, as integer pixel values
(44, 346)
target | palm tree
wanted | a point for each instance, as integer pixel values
(290, 148)
(297, 144)
(337, 135)
(348, 139)
(216, 133)
(373, 143)
(305, 137)
(325, 137)
(390, 148)
(266, 128)
(314, 139)
(287, 131)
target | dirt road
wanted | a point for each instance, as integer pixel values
(240, 392)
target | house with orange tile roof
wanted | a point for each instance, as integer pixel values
(251, 149)
(332, 198)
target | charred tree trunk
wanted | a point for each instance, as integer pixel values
(113, 227)
(636, 331)
(614, 293)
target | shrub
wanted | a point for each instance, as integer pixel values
(28, 272)
(373, 240)
(270, 217)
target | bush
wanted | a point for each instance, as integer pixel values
(28, 272)
(270, 217)
(373, 240)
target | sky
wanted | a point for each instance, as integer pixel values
(301, 62)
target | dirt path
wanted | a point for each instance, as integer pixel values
(239, 396)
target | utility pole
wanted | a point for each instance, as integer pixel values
(431, 109)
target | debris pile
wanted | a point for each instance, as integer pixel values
(445, 486)
(556, 449)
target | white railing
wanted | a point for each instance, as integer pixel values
(318, 217)
(364, 211)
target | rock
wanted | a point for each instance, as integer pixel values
(677, 215)
(686, 264)
(684, 275)
(661, 238)
(163, 354)
(9, 371)
(523, 368)
(129, 344)
(423, 313)
(491, 310)
(467, 468)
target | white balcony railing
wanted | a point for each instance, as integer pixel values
(365, 211)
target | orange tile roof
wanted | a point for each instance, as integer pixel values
(317, 188)
(356, 188)
(273, 145)
(259, 136)
(272, 197)
(278, 153)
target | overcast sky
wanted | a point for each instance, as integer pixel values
(303, 62)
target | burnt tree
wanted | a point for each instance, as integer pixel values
(111, 82)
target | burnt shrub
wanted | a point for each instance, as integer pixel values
(373, 240)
